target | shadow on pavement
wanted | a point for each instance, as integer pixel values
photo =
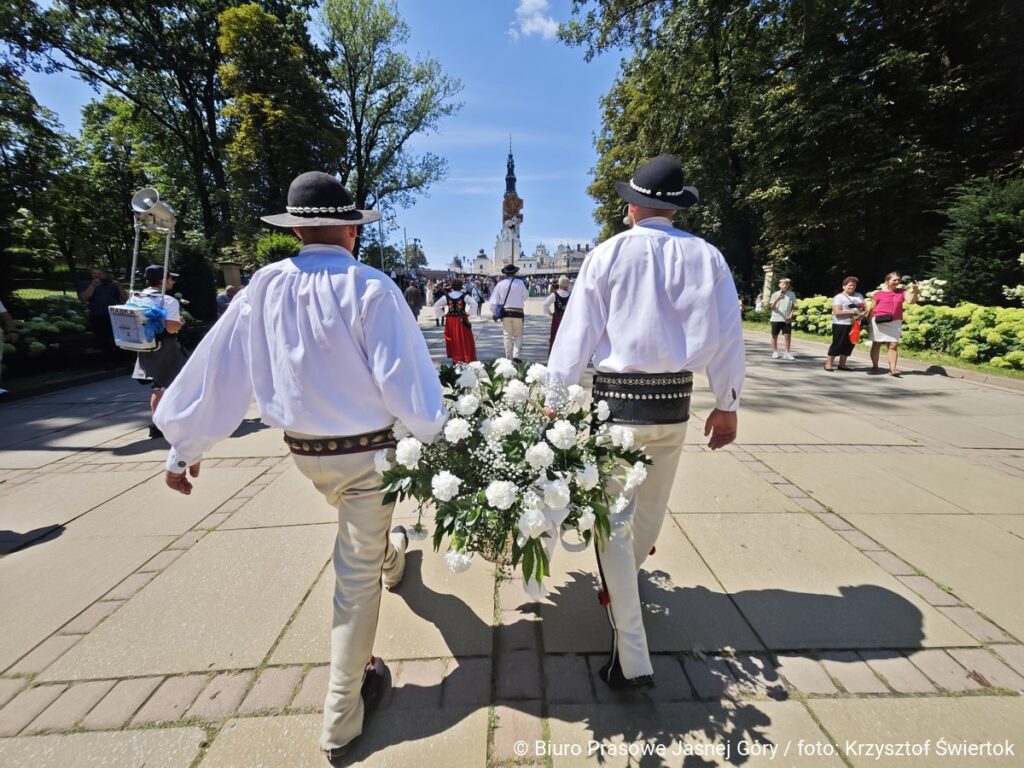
(12, 541)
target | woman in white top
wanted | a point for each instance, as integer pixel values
(555, 305)
(846, 306)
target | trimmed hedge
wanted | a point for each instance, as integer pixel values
(993, 335)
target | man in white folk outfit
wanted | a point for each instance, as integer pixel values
(508, 300)
(650, 305)
(329, 350)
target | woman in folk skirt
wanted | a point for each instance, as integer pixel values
(555, 305)
(846, 306)
(458, 335)
(887, 320)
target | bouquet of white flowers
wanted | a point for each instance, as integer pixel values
(507, 481)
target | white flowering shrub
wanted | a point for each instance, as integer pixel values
(506, 481)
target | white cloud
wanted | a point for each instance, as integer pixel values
(532, 19)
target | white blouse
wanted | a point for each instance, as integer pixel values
(549, 302)
(326, 345)
(443, 301)
(653, 299)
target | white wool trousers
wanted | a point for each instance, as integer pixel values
(634, 533)
(362, 555)
(512, 336)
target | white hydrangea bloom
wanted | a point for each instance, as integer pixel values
(587, 477)
(516, 392)
(400, 431)
(467, 405)
(532, 523)
(445, 485)
(408, 452)
(535, 373)
(603, 411)
(501, 494)
(381, 462)
(540, 456)
(556, 493)
(477, 366)
(586, 519)
(505, 423)
(458, 562)
(635, 476)
(456, 430)
(621, 502)
(562, 434)
(622, 437)
(505, 368)
(467, 378)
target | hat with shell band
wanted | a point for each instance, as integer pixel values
(658, 184)
(317, 199)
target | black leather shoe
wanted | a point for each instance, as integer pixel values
(336, 757)
(375, 684)
(611, 674)
(154, 432)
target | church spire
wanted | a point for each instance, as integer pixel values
(510, 173)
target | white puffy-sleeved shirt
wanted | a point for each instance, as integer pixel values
(549, 302)
(326, 345)
(443, 301)
(653, 299)
(511, 293)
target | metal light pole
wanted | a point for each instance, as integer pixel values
(405, 239)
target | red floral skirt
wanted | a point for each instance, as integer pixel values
(458, 340)
(556, 320)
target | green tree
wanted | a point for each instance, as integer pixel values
(384, 98)
(982, 242)
(280, 119)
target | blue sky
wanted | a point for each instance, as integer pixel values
(518, 79)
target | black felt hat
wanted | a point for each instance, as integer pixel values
(658, 184)
(318, 199)
(509, 269)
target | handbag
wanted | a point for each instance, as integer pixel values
(882, 318)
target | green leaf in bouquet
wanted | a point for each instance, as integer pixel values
(390, 497)
(528, 559)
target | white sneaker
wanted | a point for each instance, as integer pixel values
(788, 356)
(775, 355)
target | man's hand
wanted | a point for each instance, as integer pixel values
(179, 482)
(721, 425)
(550, 412)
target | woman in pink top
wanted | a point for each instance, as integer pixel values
(887, 319)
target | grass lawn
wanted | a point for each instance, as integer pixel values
(922, 356)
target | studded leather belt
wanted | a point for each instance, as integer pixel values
(645, 398)
(512, 312)
(339, 446)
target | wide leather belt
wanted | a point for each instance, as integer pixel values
(512, 312)
(645, 398)
(339, 446)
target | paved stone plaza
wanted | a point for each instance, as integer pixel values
(850, 571)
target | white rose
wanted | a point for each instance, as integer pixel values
(458, 562)
(635, 476)
(505, 423)
(516, 392)
(532, 523)
(400, 431)
(603, 411)
(587, 477)
(381, 462)
(540, 456)
(445, 485)
(408, 452)
(562, 434)
(621, 502)
(556, 493)
(467, 404)
(501, 494)
(456, 430)
(586, 519)
(467, 378)
(535, 373)
(622, 437)
(505, 368)
(535, 590)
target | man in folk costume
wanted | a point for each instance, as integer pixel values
(507, 302)
(650, 305)
(329, 350)
(458, 334)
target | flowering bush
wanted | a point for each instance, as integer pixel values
(505, 480)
